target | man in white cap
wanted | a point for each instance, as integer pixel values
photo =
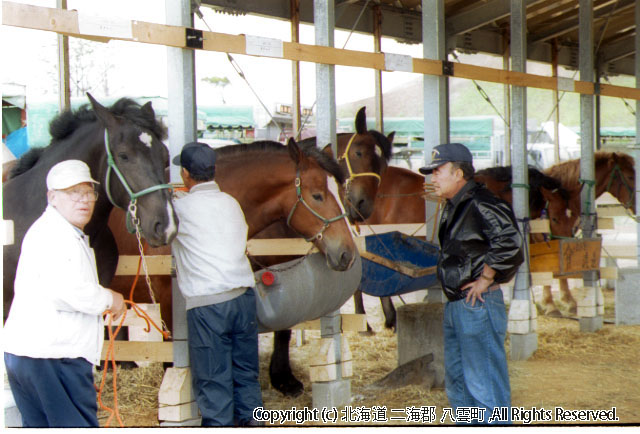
(55, 330)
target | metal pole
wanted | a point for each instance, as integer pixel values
(591, 322)
(556, 101)
(507, 101)
(636, 151)
(64, 88)
(377, 47)
(435, 99)
(524, 339)
(295, 72)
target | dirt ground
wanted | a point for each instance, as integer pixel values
(570, 369)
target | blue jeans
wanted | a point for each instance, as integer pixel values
(223, 353)
(53, 393)
(476, 373)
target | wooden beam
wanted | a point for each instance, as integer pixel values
(126, 351)
(66, 22)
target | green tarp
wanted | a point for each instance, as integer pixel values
(228, 116)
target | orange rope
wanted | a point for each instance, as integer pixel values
(110, 355)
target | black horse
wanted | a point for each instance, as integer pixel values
(363, 158)
(134, 140)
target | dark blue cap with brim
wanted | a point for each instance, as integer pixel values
(445, 153)
(198, 158)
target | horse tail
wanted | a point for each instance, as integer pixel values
(26, 162)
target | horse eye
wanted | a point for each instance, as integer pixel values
(555, 220)
(359, 153)
(123, 156)
(317, 197)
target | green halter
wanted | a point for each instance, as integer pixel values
(133, 197)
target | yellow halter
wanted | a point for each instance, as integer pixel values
(352, 176)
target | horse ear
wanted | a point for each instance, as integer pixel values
(294, 151)
(328, 150)
(147, 110)
(101, 112)
(361, 120)
(390, 136)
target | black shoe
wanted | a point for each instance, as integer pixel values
(252, 422)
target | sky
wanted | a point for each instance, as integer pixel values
(140, 69)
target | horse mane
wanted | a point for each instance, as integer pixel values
(567, 172)
(68, 121)
(310, 150)
(603, 157)
(26, 162)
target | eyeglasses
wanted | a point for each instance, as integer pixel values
(78, 195)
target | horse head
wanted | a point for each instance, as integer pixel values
(363, 157)
(621, 180)
(563, 217)
(133, 174)
(315, 213)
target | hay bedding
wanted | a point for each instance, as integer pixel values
(570, 369)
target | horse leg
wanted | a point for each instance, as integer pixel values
(567, 298)
(389, 312)
(548, 306)
(359, 304)
(282, 378)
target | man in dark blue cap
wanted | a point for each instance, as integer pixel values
(480, 247)
(216, 280)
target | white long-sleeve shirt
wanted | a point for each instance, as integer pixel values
(210, 248)
(58, 302)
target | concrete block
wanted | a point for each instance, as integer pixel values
(419, 330)
(627, 297)
(178, 413)
(191, 422)
(326, 373)
(590, 324)
(332, 394)
(523, 345)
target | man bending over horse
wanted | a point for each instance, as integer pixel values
(480, 247)
(215, 277)
(55, 331)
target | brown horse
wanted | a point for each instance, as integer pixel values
(263, 177)
(401, 200)
(363, 158)
(615, 173)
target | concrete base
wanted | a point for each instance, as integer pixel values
(331, 394)
(523, 346)
(627, 296)
(419, 330)
(190, 422)
(590, 324)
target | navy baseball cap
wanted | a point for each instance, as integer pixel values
(445, 153)
(198, 158)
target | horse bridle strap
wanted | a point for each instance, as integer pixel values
(352, 175)
(617, 170)
(301, 200)
(111, 166)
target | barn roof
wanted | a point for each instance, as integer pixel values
(481, 25)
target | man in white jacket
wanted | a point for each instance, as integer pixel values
(55, 330)
(216, 279)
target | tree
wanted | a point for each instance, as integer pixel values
(220, 82)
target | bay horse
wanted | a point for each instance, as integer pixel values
(401, 200)
(126, 135)
(363, 157)
(615, 173)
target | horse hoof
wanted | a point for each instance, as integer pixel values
(555, 313)
(293, 389)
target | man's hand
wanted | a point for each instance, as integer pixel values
(476, 288)
(117, 307)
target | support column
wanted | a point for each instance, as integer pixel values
(556, 103)
(636, 151)
(506, 160)
(590, 320)
(64, 89)
(335, 393)
(176, 400)
(522, 322)
(377, 48)
(295, 72)
(436, 103)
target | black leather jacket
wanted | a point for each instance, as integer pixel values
(477, 228)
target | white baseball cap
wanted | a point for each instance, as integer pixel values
(67, 174)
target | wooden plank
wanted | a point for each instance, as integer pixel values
(66, 22)
(606, 223)
(176, 387)
(409, 271)
(541, 278)
(351, 322)
(325, 352)
(580, 255)
(611, 211)
(540, 226)
(156, 265)
(620, 251)
(178, 413)
(329, 372)
(141, 351)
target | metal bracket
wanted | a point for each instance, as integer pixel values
(596, 88)
(194, 38)
(447, 68)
